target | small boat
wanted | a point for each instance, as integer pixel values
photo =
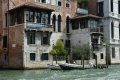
(67, 66)
(54, 67)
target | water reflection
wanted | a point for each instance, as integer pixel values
(112, 73)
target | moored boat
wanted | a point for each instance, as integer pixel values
(67, 66)
(54, 67)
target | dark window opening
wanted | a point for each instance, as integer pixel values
(112, 30)
(101, 9)
(6, 19)
(75, 25)
(44, 56)
(101, 56)
(101, 29)
(119, 7)
(44, 18)
(111, 5)
(94, 56)
(83, 24)
(32, 56)
(31, 37)
(54, 22)
(45, 38)
(119, 31)
(67, 24)
(31, 16)
(5, 42)
(59, 3)
(59, 23)
(67, 3)
(43, 1)
(16, 17)
(113, 52)
(38, 17)
(95, 41)
(67, 43)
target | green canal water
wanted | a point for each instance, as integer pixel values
(111, 73)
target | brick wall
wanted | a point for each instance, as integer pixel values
(16, 46)
(92, 7)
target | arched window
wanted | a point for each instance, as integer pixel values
(54, 22)
(67, 24)
(59, 23)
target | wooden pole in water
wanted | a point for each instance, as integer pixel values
(96, 61)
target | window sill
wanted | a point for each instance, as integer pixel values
(45, 45)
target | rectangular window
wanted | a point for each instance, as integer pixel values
(101, 56)
(16, 17)
(45, 38)
(5, 42)
(43, 1)
(32, 56)
(119, 30)
(113, 52)
(67, 43)
(83, 24)
(111, 5)
(59, 3)
(31, 16)
(6, 19)
(118, 7)
(44, 56)
(94, 56)
(31, 37)
(44, 18)
(112, 30)
(38, 17)
(75, 25)
(27, 16)
(101, 9)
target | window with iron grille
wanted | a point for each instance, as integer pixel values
(32, 56)
(31, 37)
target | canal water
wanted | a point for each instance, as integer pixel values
(111, 73)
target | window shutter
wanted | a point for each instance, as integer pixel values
(41, 38)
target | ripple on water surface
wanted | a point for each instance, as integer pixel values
(112, 73)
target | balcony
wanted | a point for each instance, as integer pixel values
(96, 30)
(81, 11)
(38, 26)
(96, 47)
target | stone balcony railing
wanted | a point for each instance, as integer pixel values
(38, 26)
(96, 30)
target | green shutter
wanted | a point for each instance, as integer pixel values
(41, 38)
